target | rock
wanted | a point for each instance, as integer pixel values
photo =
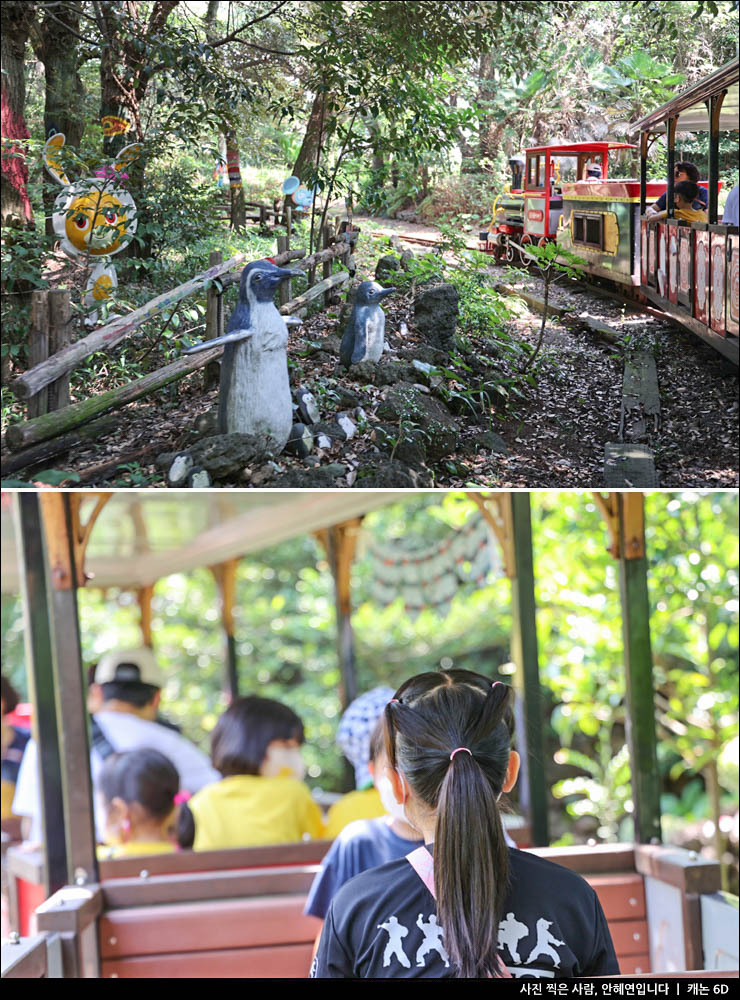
(387, 268)
(307, 407)
(405, 404)
(324, 428)
(331, 344)
(360, 414)
(207, 423)
(199, 479)
(436, 309)
(225, 455)
(261, 476)
(300, 442)
(336, 469)
(347, 425)
(180, 469)
(385, 473)
(407, 444)
(323, 441)
(493, 442)
(304, 479)
(346, 398)
(424, 352)
(422, 366)
(364, 371)
(312, 461)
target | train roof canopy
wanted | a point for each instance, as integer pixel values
(690, 105)
(577, 148)
(140, 537)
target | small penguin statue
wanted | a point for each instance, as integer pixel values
(254, 396)
(364, 334)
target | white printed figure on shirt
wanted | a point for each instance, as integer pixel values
(510, 933)
(396, 933)
(433, 934)
(545, 940)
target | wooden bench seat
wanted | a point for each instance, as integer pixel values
(248, 922)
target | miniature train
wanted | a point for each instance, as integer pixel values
(564, 193)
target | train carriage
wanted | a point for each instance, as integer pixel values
(238, 912)
(564, 192)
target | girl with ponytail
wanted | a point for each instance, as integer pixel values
(464, 905)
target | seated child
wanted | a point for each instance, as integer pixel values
(261, 798)
(353, 739)
(684, 194)
(366, 843)
(138, 790)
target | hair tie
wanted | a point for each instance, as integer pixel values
(394, 701)
(458, 749)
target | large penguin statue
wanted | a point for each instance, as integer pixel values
(364, 334)
(254, 395)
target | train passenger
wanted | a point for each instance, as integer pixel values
(353, 739)
(14, 742)
(365, 843)
(593, 173)
(464, 905)
(683, 171)
(684, 200)
(730, 214)
(124, 696)
(261, 797)
(137, 791)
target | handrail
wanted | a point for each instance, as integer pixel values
(38, 957)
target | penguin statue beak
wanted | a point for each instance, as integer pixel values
(387, 291)
(283, 273)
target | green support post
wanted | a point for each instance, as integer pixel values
(525, 656)
(41, 684)
(64, 556)
(638, 663)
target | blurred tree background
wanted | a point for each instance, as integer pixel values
(286, 644)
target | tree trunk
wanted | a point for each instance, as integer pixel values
(56, 47)
(238, 213)
(15, 206)
(236, 188)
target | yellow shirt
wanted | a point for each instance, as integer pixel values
(691, 214)
(355, 805)
(134, 848)
(246, 810)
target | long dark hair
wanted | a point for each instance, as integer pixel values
(431, 715)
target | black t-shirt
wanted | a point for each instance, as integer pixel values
(382, 924)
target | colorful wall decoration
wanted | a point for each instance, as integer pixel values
(429, 576)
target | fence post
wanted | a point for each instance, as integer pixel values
(60, 336)
(214, 321)
(284, 291)
(326, 242)
(38, 348)
(263, 217)
(288, 224)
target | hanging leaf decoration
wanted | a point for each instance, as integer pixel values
(429, 576)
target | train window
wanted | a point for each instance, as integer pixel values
(588, 230)
(535, 173)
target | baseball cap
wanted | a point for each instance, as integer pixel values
(127, 665)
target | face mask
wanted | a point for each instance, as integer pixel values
(393, 808)
(283, 762)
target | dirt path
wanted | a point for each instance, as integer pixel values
(546, 433)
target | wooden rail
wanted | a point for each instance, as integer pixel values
(43, 426)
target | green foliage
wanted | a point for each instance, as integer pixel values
(286, 641)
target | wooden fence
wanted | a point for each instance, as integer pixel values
(46, 385)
